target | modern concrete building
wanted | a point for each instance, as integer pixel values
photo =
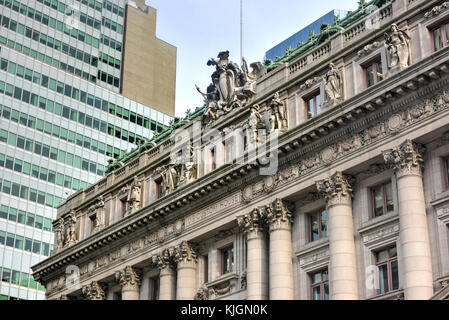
(62, 119)
(352, 202)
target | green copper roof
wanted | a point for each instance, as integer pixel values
(153, 142)
(364, 9)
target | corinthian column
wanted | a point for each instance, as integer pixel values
(185, 256)
(167, 276)
(279, 218)
(342, 270)
(413, 231)
(252, 225)
(94, 291)
(129, 279)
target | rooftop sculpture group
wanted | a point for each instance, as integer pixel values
(231, 86)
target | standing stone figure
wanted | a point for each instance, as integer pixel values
(255, 123)
(170, 177)
(134, 195)
(99, 214)
(398, 45)
(71, 234)
(211, 98)
(333, 86)
(278, 119)
(60, 235)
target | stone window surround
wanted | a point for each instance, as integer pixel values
(427, 25)
(363, 189)
(308, 216)
(302, 220)
(303, 95)
(359, 68)
(311, 284)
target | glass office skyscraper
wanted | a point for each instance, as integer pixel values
(61, 118)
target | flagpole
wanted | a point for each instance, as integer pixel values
(241, 31)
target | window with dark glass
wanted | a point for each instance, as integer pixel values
(154, 281)
(320, 285)
(440, 36)
(446, 171)
(318, 225)
(313, 105)
(387, 264)
(227, 259)
(382, 199)
(373, 72)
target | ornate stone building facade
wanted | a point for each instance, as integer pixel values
(357, 208)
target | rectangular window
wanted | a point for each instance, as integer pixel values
(318, 225)
(154, 288)
(382, 199)
(387, 264)
(446, 172)
(320, 285)
(313, 105)
(440, 36)
(373, 72)
(227, 259)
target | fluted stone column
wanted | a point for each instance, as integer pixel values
(413, 231)
(167, 276)
(252, 225)
(340, 229)
(186, 258)
(279, 219)
(129, 278)
(94, 291)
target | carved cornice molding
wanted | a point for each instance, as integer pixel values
(94, 291)
(129, 277)
(185, 252)
(337, 189)
(406, 159)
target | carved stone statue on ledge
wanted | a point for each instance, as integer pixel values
(278, 118)
(398, 46)
(333, 86)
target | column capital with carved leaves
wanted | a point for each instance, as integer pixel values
(337, 189)
(94, 291)
(406, 158)
(279, 214)
(129, 278)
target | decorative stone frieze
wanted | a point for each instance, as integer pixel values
(406, 158)
(337, 188)
(369, 48)
(94, 291)
(129, 278)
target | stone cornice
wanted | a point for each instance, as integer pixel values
(291, 141)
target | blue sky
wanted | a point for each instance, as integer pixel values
(202, 28)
